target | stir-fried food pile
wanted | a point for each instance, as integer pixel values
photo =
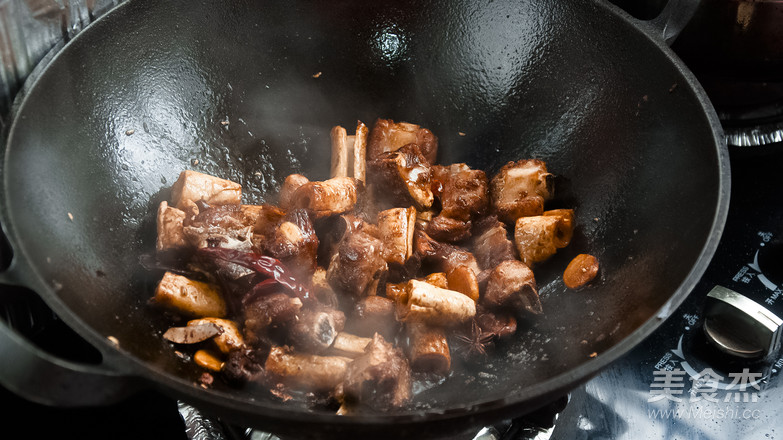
(348, 288)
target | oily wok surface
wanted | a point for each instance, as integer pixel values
(249, 91)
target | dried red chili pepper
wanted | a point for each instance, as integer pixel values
(268, 266)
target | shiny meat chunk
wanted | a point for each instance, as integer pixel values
(219, 226)
(464, 193)
(380, 378)
(447, 229)
(170, 223)
(444, 256)
(386, 135)
(512, 286)
(193, 187)
(358, 260)
(295, 244)
(520, 189)
(539, 237)
(491, 244)
(189, 297)
(329, 197)
(401, 178)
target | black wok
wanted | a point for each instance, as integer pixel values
(248, 91)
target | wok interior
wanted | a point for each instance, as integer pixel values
(249, 92)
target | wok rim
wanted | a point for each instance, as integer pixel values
(22, 271)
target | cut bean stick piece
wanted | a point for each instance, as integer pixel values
(423, 302)
(349, 152)
(348, 345)
(340, 152)
(396, 227)
(539, 237)
(170, 227)
(189, 297)
(360, 151)
(307, 372)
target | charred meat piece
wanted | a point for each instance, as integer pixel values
(265, 314)
(359, 260)
(464, 193)
(329, 197)
(295, 244)
(539, 237)
(315, 330)
(386, 135)
(244, 366)
(445, 256)
(219, 226)
(380, 378)
(520, 189)
(292, 183)
(491, 244)
(189, 297)
(333, 230)
(401, 178)
(192, 187)
(447, 229)
(512, 286)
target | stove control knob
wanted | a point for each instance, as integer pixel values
(740, 326)
(770, 260)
